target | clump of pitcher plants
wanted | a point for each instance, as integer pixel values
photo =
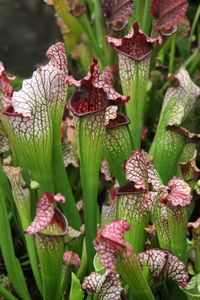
(99, 183)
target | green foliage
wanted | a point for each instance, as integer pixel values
(58, 149)
(76, 293)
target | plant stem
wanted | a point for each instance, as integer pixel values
(194, 24)
(172, 53)
(84, 264)
(100, 30)
(146, 20)
(157, 49)
(131, 273)
(138, 10)
(61, 180)
(6, 294)
(191, 58)
(194, 64)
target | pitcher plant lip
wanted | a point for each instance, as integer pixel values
(6, 89)
(179, 193)
(71, 258)
(185, 89)
(190, 164)
(194, 225)
(129, 188)
(9, 111)
(135, 45)
(136, 169)
(117, 13)
(164, 264)
(117, 227)
(190, 136)
(77, 9)
(181, 80)
(14, 174)
(111, 114)
(94, 92)
(5, 80)
(107, 284)
(110, 241)
(140, 170)
(47, 214)
(60, 220)
(15, 177)
(19, 106)
(168, 14)
(105, 171)
(120, 120)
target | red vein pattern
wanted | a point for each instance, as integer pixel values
(163, 265)
(117, 12)
(45, 212)
(106, 286)
(135, 45)
(71, 258)
(93, 92)
(168, 14)
(110, 243)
